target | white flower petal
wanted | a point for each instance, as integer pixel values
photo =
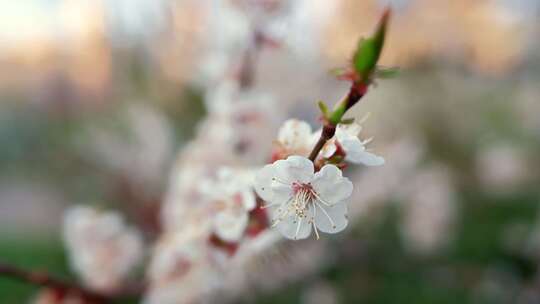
(331, 186)
(270, 189)
(295, 134)
(329, 149)
(293, 229)
(230, 226)
(348, 131)
(364, 157)
(294, 169)
(263, 182)
(331, 219)
(248, 199)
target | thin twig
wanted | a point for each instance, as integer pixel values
(44, 279)
(357, 91)
(249, 60)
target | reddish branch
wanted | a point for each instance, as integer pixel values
(357, 91)
(66, 287)
(46, 280)
(249, 60)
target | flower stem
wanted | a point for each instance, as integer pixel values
(357, 91)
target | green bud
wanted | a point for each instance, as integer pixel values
(338, 113)
(369, 49)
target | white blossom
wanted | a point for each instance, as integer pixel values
(180, 270)
(304, 199)
(102, 248)
(232, 197)
(355, 150)
(295, 137)
(502, 167)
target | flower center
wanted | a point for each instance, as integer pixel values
(303, 195)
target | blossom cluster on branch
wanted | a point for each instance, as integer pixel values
(222, 210)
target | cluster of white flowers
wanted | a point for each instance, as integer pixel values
(180, 270)
(103, 250)
(233, 198)
(211, 209)
(220, 210)
(296, 138)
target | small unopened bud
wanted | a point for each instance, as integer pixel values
(369, 49)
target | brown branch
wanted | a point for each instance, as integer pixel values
(63, 286)
(327, 133)
(46, 280)
(249, 60)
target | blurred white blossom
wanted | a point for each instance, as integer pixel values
(429, 212)
(295, 137)
(232, 197)
(102, 249)
(141, 151)
(180, 270)
(501, 167)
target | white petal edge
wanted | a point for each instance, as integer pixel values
(331, 186)
(338, 215)
(294, 169)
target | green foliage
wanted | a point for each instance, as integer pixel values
(46, 255)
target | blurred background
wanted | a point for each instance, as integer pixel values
(98, 97)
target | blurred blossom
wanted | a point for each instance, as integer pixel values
(266, 264)
(320, 292)
(227, 33)
(238, 126)
(300, 28)
(184, 198)
(180, 270)
(429, 212)
(139, 151)
(501, 167)
(233, 198)
(294, 138)
(102, 249)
